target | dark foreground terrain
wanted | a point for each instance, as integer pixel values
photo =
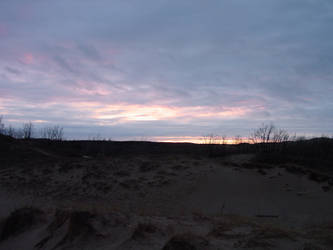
(142, 195)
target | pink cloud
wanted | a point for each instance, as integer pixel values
(27, 58)
(34, 57)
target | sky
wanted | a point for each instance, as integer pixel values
(167, 69)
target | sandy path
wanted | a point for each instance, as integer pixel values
(291, 197)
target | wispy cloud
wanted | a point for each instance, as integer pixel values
(167, 68)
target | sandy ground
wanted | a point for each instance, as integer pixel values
(162, 202)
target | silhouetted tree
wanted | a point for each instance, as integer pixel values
(280, 135)
(269, 138)
(53, 133)
(263, 134)
(27, 130)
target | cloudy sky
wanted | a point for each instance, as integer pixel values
(167, 68)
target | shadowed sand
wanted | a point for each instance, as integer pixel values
(163, 201)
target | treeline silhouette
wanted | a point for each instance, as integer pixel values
(28, 131)
(269, 144)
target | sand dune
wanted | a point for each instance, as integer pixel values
(163, 202)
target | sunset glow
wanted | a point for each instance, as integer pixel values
(166, 124)
(198, 140)
(145, 113)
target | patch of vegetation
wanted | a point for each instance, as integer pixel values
(314, 153)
